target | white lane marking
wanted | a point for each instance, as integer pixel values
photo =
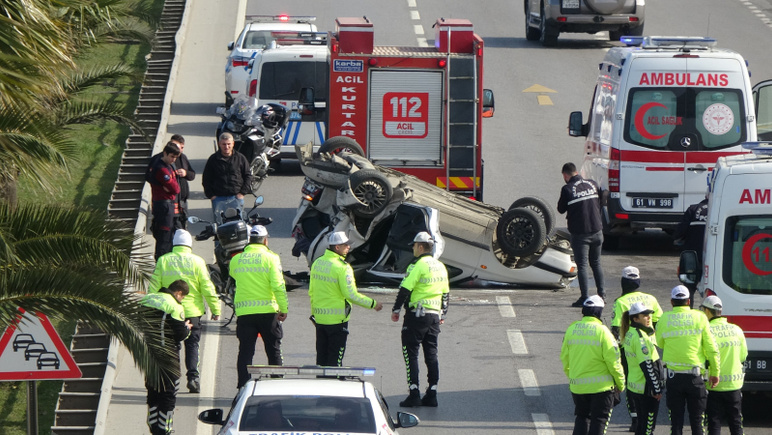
(422, 42)
(543, 424)
(528, 381)
(210, 342)
(411, 3)
(418, 29)
(505, 306)
(415, 16)
(517, 342)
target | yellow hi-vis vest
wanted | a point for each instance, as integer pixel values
(259, 281)
(183, 264)
(590, 357)
(427, 280)
(733, 351)
(684, 336)
(331, 288)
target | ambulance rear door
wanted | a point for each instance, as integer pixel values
(682, 113)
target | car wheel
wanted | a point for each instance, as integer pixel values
(636, 31)
(521, 232)
(371, 188)
(548, 34)
(541, 208)
(615, 35)
(531, 33)
(337, 144)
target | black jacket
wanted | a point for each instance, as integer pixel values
(184, 163)
(227, 176)
(692, 227)
(581, 199)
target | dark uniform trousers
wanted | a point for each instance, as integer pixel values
(331, 344)
(628, 395)
(686, 391)
(191, 348)
(648, 408)
(247, 328)
(592, 412)
(416, 332)
(163, 226)
(726, 404)
(161, 402)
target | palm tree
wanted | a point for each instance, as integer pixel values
(75, 264)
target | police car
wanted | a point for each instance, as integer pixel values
(308, 399)
(257, 36)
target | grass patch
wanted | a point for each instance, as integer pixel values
(89, 183)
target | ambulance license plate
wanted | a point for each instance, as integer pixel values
(570, 4)
(652, 202)
(758, 365)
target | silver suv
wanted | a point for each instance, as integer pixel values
(546, 19)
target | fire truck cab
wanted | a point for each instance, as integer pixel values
(414, 109)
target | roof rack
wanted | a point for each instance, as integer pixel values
(283, 37)
(280, 17)
(653, 42)
(340, 372)
(759, 148)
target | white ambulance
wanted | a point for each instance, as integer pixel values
(663, 111)
(737, 254)
(294, 61)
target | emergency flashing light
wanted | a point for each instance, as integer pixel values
(311, 371)
(442, 63)
(283, 17)
(758, 148)
(372, 61)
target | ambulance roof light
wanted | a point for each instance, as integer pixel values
(759, 148)
(702, 42)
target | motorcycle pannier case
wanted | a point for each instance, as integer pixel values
(233, 236)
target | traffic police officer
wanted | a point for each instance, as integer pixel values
(645, 380)
(425, 294)
(169, 315)
(684, 336)
(260, 301)
(590, 357)
(725, 399)
(332, 289)
(183, 264)
(631, 281)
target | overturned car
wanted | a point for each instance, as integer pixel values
(381, 210)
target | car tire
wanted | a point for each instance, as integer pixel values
(541, 208)
(531, 33)
(337, 144)
(548, 33)
(636, 31)
(521, 232)
(615, 35)
(605, 7)
(371, 188)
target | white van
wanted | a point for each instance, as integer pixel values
(737, 254)
(278, 74)
(663, 111)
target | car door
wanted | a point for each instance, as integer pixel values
(762, 100)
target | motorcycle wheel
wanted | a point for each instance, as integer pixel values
(259, 172)
(371, 188)
(521, 232)
(338, 144)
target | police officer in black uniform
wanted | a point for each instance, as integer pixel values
(690, 234)
(580, 200)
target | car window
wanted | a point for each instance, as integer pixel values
(311, 414)
(747, 246)
(284, 80)
(257, 40)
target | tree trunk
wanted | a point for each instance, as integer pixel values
(8, 191)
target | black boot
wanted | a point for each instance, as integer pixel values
(633, 425)
(413, 399)
(430, 398)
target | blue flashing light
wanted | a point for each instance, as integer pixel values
(759, 148)
(632, 41)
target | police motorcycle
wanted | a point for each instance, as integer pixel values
(257, 133)
(231, 234)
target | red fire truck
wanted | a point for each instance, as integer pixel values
(415, 109)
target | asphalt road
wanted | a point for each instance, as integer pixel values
(499, 347)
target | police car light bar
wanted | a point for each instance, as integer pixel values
(759, 148)
(281, 17)
(311, 371)
(678, 42)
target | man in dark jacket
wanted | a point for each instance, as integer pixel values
(580, 198)
(169, 316)
(165, 189)
(226, 174)
(690, 234)
(185, 173)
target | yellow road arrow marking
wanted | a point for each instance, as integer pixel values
(544, 100)
(539, 89)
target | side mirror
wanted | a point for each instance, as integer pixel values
(251, 63)
(575, 126)
(687, 268)
(231, 45)
(193, 219)
(221, 110)
(259, 200)
(212, 416)
(488, 103)
(306, 101)
(406, 419)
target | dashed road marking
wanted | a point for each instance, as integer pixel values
(528, 381)
(505, 306)
(543, 424)
(517, 342)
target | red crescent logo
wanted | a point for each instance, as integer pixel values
(639, 120)
(746, 254)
